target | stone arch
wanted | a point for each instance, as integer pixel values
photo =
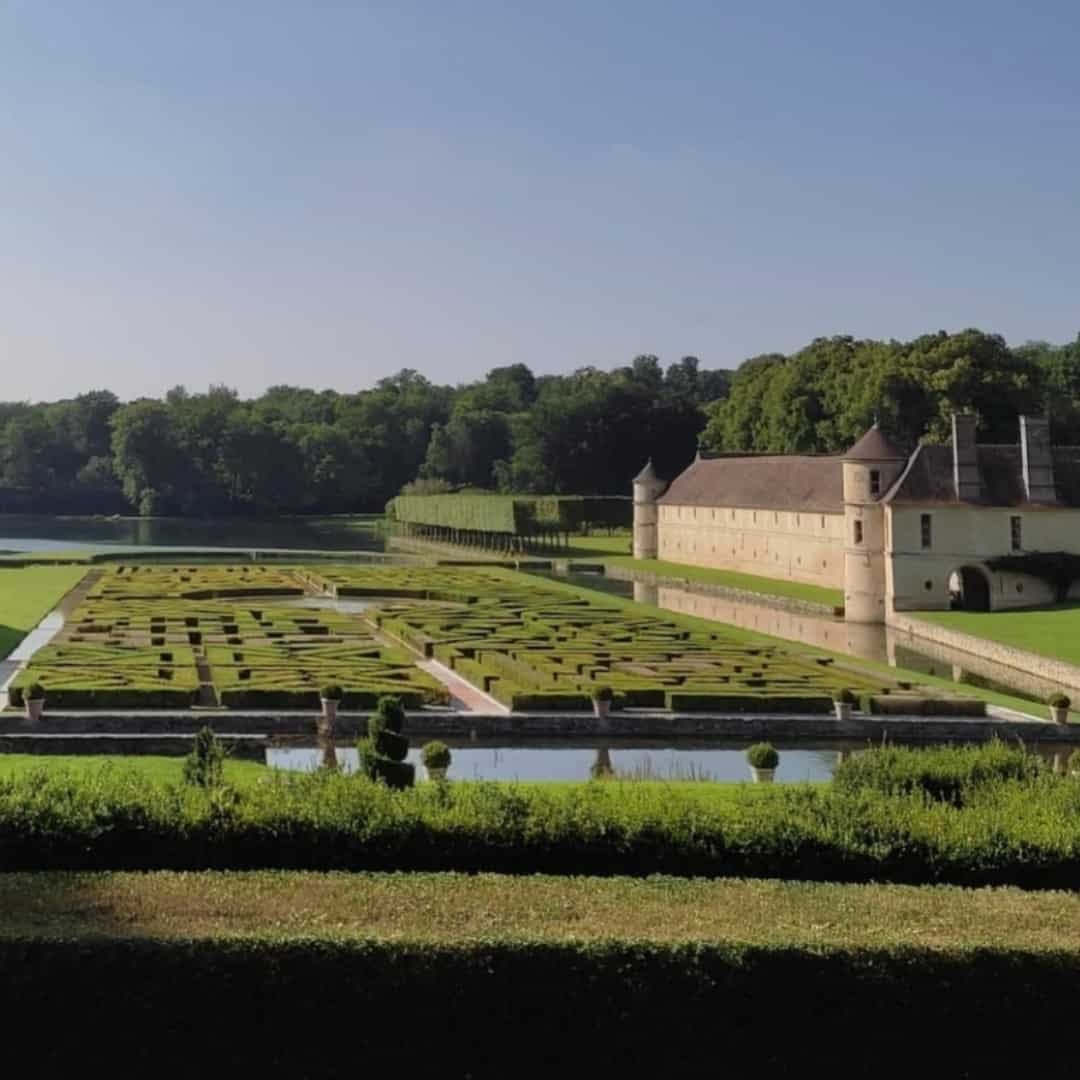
(969, 589)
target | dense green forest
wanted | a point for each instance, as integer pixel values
(822, 398)
(295, 450)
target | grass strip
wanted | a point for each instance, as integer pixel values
(1052, 631)
(453, 907)
(27, 595)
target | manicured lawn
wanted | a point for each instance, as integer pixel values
(163, 770)
(461, 907)
(1049, 631)
(27, 595)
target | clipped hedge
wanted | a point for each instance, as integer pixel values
(1011, 833)
(901, 704)
(951, 774)
(517, 515)
(682, 701)
(277, 1006)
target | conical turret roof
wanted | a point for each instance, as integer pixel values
(875, 445)
(647, 475)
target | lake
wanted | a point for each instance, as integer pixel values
(34, 533)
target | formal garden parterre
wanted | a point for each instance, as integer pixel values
(234, 636)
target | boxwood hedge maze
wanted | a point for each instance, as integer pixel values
(177, 636)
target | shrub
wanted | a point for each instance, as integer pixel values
(844, 697)
(34, 692)
(331, 692)
(1060, 701)
(946, 774)
(392, 712)
(603, 693)
(435, 755)
(763, 755)
(204, 767)
(383, 751)
(1023, 833)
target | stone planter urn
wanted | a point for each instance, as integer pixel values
(844, 709)
(601, 709)
(329, 713)
(1059, 714)
(762, 776)
(34, 708)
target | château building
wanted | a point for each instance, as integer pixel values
(895, 531)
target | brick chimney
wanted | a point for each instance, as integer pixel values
(965, 454)
(1036, 459)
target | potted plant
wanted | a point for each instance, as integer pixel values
(1059, 707)
(34, 701)
(602, 697)
(435, 757)
(844, 704)
(330, 696)
(763, 760)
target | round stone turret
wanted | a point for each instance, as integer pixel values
(870, 467)
(648, 487)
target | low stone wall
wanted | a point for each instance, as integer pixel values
(1052, 672)
(675, 726)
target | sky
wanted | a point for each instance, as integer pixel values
(321, 193)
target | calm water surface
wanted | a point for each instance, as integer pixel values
(46, 533)
(577, 762)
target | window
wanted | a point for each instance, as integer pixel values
(858, 532)
(1017, 535)
(823, 521)
(875, 482)
(927, 531)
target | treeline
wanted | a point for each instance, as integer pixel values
(822, 398)
(295, 450)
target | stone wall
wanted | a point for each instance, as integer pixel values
(1050, 671)
(788, 545)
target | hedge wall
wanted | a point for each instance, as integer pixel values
(517, 515)
(1023, 834)
(324, 1008)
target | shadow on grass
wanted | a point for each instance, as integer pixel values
(9, 638)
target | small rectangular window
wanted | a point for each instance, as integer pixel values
(875, 482)
(858, 532)
(823, 521)
(1017, 534)
(927, 531)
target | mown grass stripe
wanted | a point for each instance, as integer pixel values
(492, 907)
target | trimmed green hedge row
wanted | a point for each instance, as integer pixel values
(325, 1008)
(1013, 833)
(518, 515)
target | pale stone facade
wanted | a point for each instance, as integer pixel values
(787, 544)
(894, 531)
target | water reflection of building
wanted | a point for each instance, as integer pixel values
(865, 641)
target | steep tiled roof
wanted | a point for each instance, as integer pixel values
(875, 445)
(929, 476)
(761, 482)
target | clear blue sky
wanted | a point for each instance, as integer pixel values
(322, 193)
